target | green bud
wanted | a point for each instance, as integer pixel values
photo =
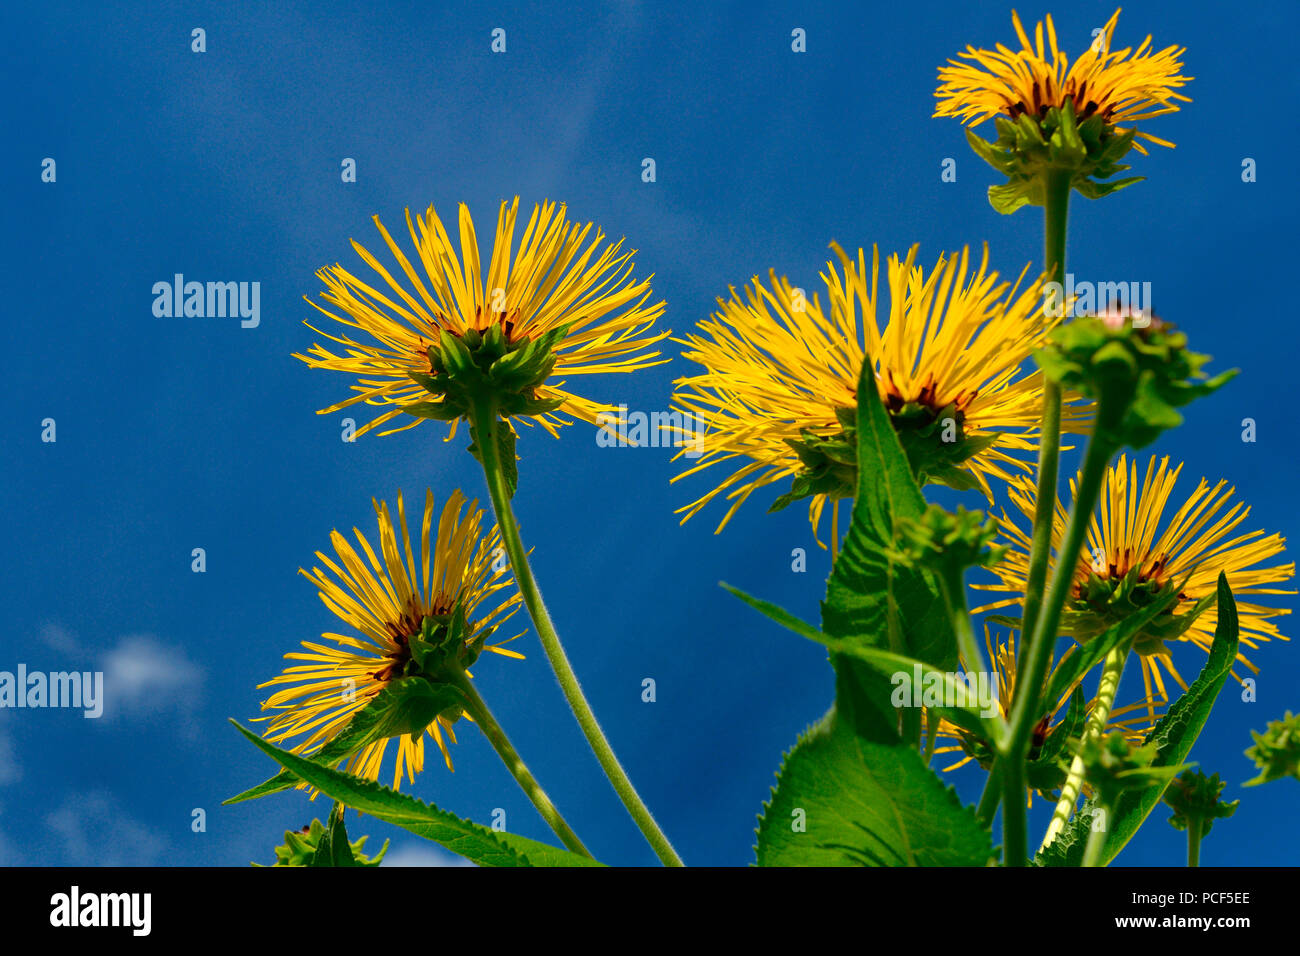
(1139, 376)
(300, 848)
(1195, 797)
(1277, 751)
(1113, 765)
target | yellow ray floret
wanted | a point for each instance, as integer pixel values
(561, 274)
(1124, 86)
(1198, 542)
(778, 363)
(385, 596)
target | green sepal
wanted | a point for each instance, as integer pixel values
(1028, 148)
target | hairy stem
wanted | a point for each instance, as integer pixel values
(485, 424)
(991, 796)
(1055, 213)
(1093, 852)
(518, 769)
(1111, 673)
(1037, 655)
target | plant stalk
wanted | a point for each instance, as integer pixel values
(1055, 214)
(485, 424)
(1111, 673)
(1037, 655)
(518, 769)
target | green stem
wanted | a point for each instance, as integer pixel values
(991, 796)
(1037, 655)
(1015, 822)
(1194, 828)
(932, 721)
(1111, 673)
(1036, 652)
(518, 769)
(954, 596)
(1092, 853)
(485, 423)
(1055, 213)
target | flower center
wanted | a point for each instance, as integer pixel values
(1041, 101)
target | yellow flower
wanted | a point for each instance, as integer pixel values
(779, 369)
(1123, 86)
(385, 597)
(555, 278)
(1126, 560)
(1134, 720)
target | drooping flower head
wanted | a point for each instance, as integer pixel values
(1051, 734)
(1129, 559)
(1122, 86)
(779, 386)
(457, 587)
(563, 303)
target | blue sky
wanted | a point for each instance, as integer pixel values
(175, 433)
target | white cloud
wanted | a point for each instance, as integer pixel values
(94, 830)
(142, 674)
(420, 854)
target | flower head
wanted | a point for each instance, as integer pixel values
(563, 303)
(1128, 561)
(779, 386)
(1044, 771)
(397, 607)
(1120, 86)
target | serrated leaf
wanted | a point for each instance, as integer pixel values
(843, 800)
(472, 841)
(397, 709)
(872, 600)
(968, 716)
(1174, 736)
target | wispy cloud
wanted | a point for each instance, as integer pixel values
(144, 675)
(83, 823)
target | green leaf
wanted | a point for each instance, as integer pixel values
(843, 800)
(472, 841)
(969, 716)
(1174, 736)
(873, 600)
(405, 704)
